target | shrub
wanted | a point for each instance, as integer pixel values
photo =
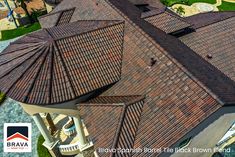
(42, 151)
(2, 97)
(169, 3)
(180, 10)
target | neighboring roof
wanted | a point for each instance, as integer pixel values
(56, 65)
(204, 19)
(112, 122)
(167, 22)
(216, 40)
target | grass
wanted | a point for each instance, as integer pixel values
(203, 1)
(10, 34)
(42, 151)
(169, 3)
(2, 97)
(226, 6)
(186, 2)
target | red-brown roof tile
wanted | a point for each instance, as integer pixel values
(167, 22)
(218, 41)
(61, 66)
(65, 16)
(179, 89)
(176, 101)
(112, 122)
(205, 19)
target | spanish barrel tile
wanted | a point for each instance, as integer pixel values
(179, 93)
(167, 22)
(59, 64)
(65, 16)
(119, 117)
(217, 41)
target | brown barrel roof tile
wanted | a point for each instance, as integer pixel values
(216, 40)
(54, 65)
(112, 121)
(167, 22)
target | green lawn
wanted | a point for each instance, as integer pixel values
(226, 6)
(190, 2)
(2, 97)
(10, 34)
(42, 151)
(186, 2)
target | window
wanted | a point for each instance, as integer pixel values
(217, 154)
(185, 142)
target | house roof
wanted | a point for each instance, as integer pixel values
(166, 21)
(57, 65)
(204, 19)
(176, 101)
(112, 121)
(65, 16)
(215, 43)
(179, 86)
(59, 18)
(198, 68)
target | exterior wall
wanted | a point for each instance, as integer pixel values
(209, 137)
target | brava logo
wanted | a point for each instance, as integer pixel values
(17, 137)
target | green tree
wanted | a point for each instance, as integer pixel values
(180, 10)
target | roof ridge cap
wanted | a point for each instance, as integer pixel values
(65, 69)
(36, 75)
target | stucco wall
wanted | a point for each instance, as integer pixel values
(209, 137)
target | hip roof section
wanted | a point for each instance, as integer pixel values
(215, 43)
(167, 22)
(54, 65)
(112, 121)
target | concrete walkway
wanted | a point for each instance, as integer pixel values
(195, 8)
(218, 3)
(231, 1)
